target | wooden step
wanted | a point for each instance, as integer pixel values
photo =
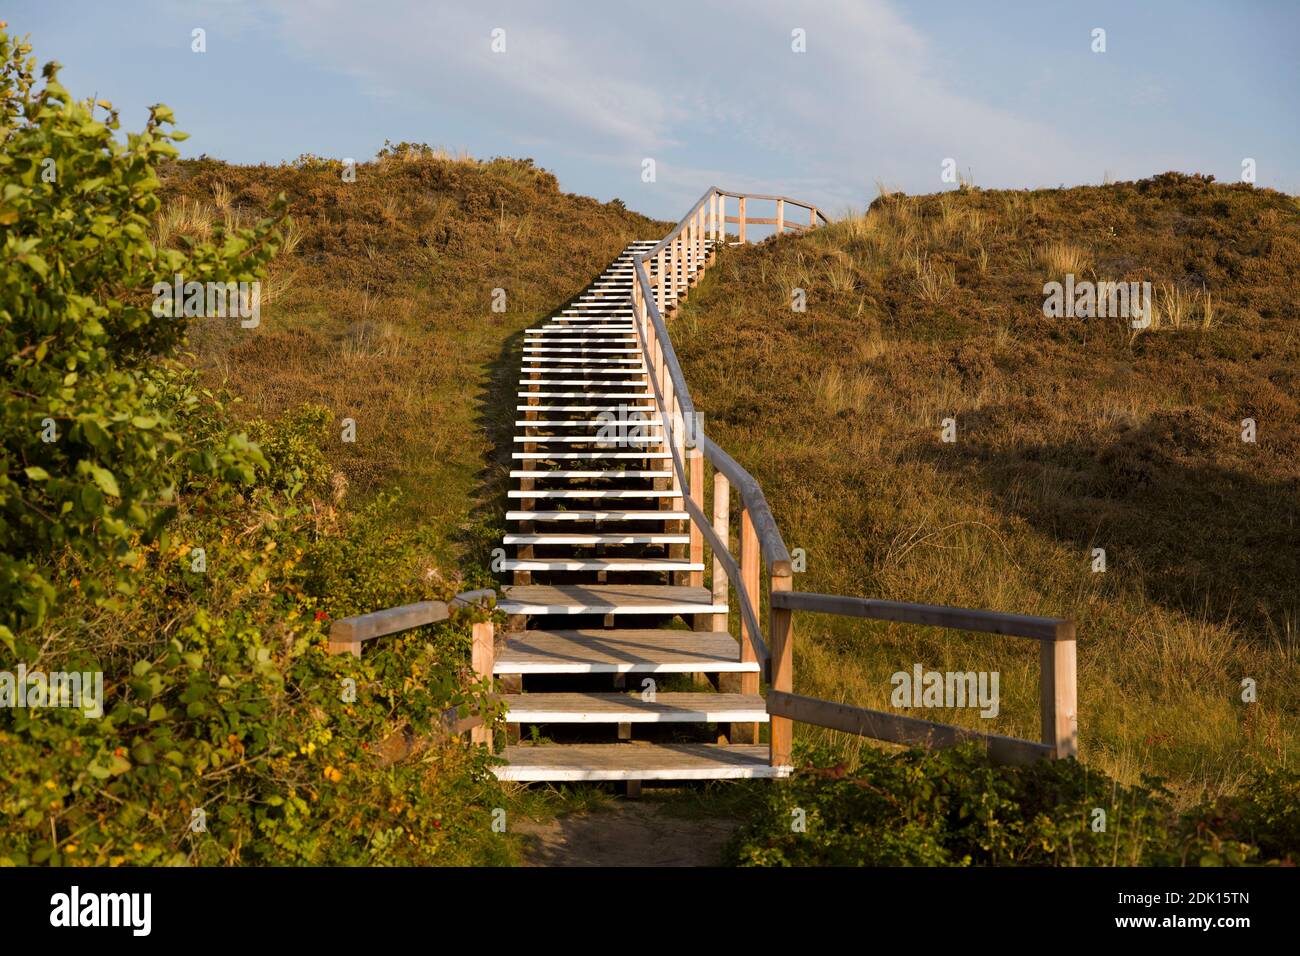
(595, 539)
(625, 328)
(637, 761)
(602, 382)
(599, 564)
(583, 360)
(593, 493)
(565, 350)
(582, 473)
(620, 708)
(583, 367)
(588, 514)
(611, 338)
(583, 439)
(636, 651)
(587, 422)
(623, 395)
(583, 408)
(570, 599)
(588, 455)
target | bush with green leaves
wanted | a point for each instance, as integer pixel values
(193, 560)
(954, 808)
(88, 449)
(220, 698)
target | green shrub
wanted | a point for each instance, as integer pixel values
(953, 808)
(194, 562)
(87, 450)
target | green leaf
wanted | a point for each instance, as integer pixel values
(36, 473)
(104, 478)
(35, 263)
(118, 765)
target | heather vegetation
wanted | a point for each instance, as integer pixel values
(1071, 435)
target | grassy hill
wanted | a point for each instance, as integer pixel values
(1072, 434)
(380, 308)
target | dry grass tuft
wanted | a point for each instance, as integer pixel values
(1059, 258)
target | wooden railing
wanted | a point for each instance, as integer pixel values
(1058, 712)
(658, 273)
(661, 273)
(349, 633)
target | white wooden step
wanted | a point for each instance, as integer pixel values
(585, 439)
(585, 367)
(666, 708)
(616, 337)
(591, 313)
(535, 350)
(587, 394)
(589, 455)
(595, 539)
(582, 360)
(622, 382)
(571, 599)
(590, 515)
(637, 761)
(607, 406)
(592, 493)
(588, 422)
(599, 564)
(607, 327)
(640, 651)
(574, 473)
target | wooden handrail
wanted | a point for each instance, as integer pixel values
(674, 261)
(676, 258)
(899, 729)
(935, 615)
(1058, 680)
(347, 634)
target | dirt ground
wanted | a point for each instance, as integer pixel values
(630, 833)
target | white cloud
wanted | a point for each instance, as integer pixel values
(711, 90)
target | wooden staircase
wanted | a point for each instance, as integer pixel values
(610, 535)
(605, 585)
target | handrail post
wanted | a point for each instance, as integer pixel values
(483, 660)
(741, 217)
(689, 234)
(672, 267)
(661, 270)
(713, 216)
(812, 217)
(339, 642)
(697, 232)
(781, 647)
(722, 528)
(780, 217)
(695, 459)
(750, 561)
(1058, 693)
(722, 217)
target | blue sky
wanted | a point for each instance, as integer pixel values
(712, 92)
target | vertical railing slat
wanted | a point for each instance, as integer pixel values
(1058, 693)
(781, 647)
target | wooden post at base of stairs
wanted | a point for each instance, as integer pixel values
(781, 729)
(482, 659)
